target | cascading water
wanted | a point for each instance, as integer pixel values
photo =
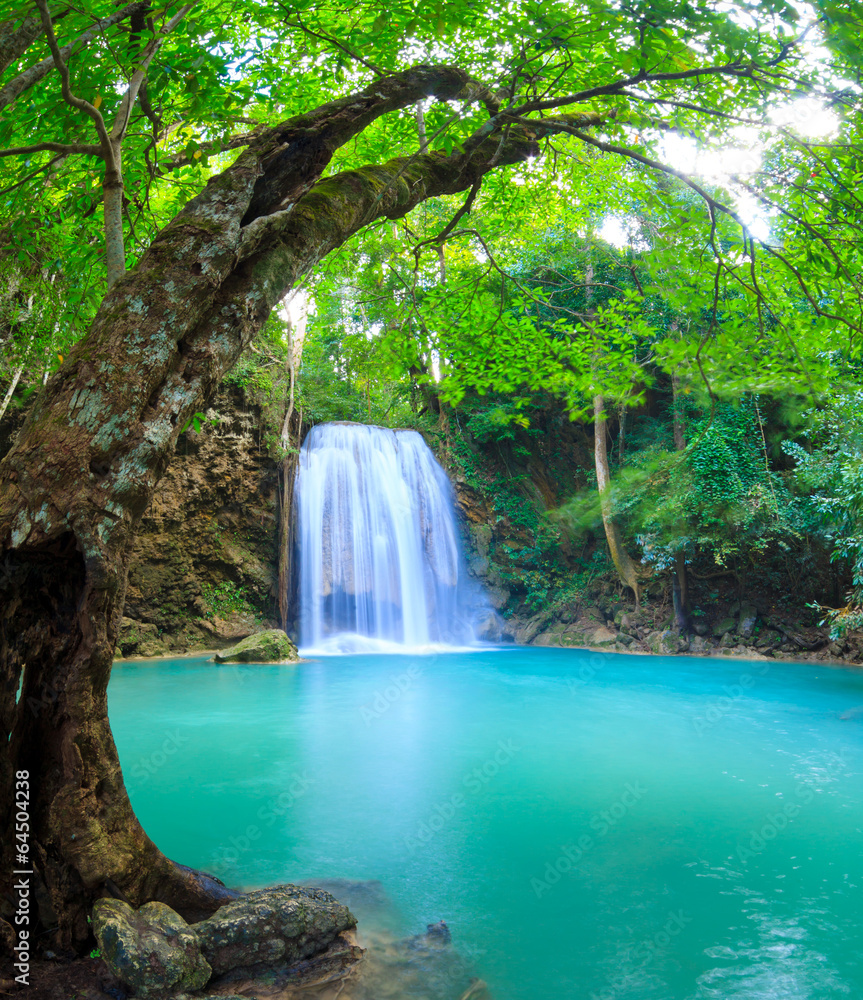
(380, 562)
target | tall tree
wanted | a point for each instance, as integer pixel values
(141, 105)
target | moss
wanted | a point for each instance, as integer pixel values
(272, 646)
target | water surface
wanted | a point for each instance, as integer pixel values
(589, 825)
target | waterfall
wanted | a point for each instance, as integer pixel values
(380, 563)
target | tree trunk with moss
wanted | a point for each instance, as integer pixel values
(100, 436)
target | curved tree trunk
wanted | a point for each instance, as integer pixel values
(85, 465)
(626, 568)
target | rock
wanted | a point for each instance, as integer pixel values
(663, 643)
(284, 924)
(700, 628)
(492, 628)
(625, 639)
(726, 625)
(836, 648)
(211, 522)
(748, 619)
(151, 949)
(698, 644)
(734, 609)
(478, 565)
(593, 614)
(602, 637)
(140, 639)
(531, 628)
(727, 641)
(497, 596)
(682, 644)
(272, 646)
(768, 637)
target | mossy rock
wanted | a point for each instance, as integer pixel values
(272, 646)
(724, 626)
(152, 949)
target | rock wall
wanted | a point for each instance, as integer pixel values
(204, 563)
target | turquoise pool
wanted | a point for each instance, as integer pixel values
(589, 825)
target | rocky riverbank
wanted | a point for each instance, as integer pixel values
(739, 629)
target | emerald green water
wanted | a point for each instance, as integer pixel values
(589, 826)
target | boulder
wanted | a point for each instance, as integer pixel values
(272, 646)
(748, 618)
(624, 639)
(721, 627)
(700, 628)
(151, 949)
(284, 924)
(727, 641)
(663, 643)
(698, 644)
(602, 637)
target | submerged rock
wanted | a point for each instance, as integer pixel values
(151, 949)
(284, 924)
(272, 646)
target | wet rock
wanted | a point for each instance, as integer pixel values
(724, 626)
(497, 596)
(283, 924)
(531, 628)
(151, 949)
(272, 646)
(493, 628)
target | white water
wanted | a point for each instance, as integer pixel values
(380, 564)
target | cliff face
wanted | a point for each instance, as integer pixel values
(204, 563)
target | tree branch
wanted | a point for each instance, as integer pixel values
(34, 74)
(14, 41)
(86, 148)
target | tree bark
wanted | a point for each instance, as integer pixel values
(100, 436)
(16, 37)
(626, 568)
